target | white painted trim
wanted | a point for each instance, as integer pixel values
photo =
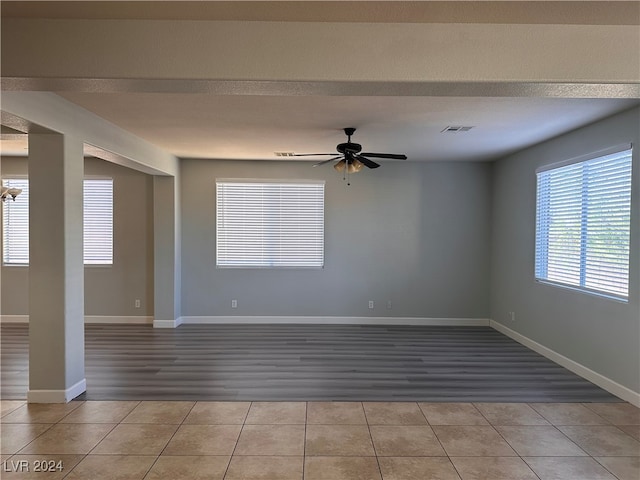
(167, 323)
(55, 113)
(57, 396)
(87, 319)
(474, 322)
(137, 319)
(606, 383)
(14, 318)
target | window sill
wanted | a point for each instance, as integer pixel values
(593, 293)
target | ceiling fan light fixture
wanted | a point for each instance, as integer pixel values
(355, 166)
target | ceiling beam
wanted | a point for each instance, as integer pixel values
(319, 52)
(46, 112)
(335, 88)
(592, 12)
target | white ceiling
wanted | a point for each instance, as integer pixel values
(196, 125)
(254, 127)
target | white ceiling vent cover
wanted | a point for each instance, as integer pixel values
(455, 129)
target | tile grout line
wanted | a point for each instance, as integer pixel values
(13, 409)
(550, 424)
(506, 441)
(304, 442)
(84, 456)
(60, 421)
(439, 441)
(595, 459)
(375, 452)
(514, 450)
(244, 422)
(168, 441)
(588, 455)
(158, 456)
(102, 439)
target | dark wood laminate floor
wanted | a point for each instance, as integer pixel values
(306, 362)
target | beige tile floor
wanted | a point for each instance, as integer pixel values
(320, 441)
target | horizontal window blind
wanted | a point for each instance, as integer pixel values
(269, 224)
(15, 224)
(98, 223)
(583, 224)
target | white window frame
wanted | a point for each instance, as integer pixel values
(98, 245)
(13, 245)
(578, 202)
(269, 223)
(98, 221)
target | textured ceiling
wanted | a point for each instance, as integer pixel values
(254, 127)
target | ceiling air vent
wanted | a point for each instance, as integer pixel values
(284, 154)
(455, 129)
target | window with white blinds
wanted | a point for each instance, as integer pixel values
(269, 224)
(583, 224)
(98, 223)
(15, 224)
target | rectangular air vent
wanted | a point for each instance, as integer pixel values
(284, 154)
(455, 129)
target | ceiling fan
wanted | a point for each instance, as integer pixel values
(351, 160)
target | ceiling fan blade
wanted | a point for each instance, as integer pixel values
(394, 156)
(326, 161)
(366, 162)
(309, 154)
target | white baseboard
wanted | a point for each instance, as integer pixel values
(167, 323)
(137, 320)
(57, 396)
(606, 383)
(87, 319)
(469, 322)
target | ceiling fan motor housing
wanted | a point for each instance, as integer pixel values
(349, 148)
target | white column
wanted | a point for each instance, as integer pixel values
(56, 270)
(166, 252)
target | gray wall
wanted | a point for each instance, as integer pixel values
(109, 290)
(417, 234)
(601, 334)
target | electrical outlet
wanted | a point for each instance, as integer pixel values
(371, 304)
(389, 304)
(512, 316)
(234, 303)
(137, 303)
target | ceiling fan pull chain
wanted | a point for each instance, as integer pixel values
(346, 169)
